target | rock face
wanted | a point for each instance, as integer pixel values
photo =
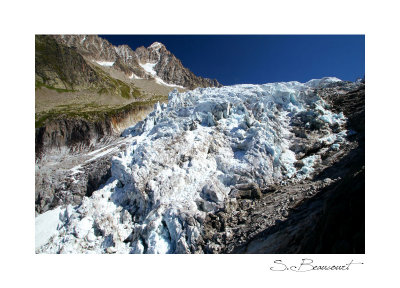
(63, 144)
(64, 69)
(90, 46)
(170, 69)
(153, 62)
(70, 133)
(73, 134)
(207, 172)
(55, 186)
(60, 66)
(128, 62)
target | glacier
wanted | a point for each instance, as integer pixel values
(186, 159)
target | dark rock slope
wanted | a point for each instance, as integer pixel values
(60, 66)
(64, 143)
(170, 69)
(325, 214)
(76, 132)
(90, 46)
(70, 133)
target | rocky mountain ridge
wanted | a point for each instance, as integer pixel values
(153, 62)
(62, 68)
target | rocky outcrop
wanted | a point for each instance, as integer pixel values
(60, 66)
(79, 133)
(91, 46)
(64, 148)
(55, 185)
(97, 49)
(170, 69)
(320, 215)
(128, 62)
(71, 133)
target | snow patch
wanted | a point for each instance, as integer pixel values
(46, 225)
(156, 45)
(105, 63)
(160, 81)
(76, 169)
(133, 76)
(149, 68)
(108, 151)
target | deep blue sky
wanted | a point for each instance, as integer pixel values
(257, 59)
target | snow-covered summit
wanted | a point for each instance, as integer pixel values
(188, 157)
(156, 45)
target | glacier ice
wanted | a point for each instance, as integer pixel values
(185, 159)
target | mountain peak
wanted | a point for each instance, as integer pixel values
(156, 45)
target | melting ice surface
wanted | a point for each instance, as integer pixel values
(183, 162)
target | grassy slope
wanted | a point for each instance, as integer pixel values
(62, 69)
(91, 112)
